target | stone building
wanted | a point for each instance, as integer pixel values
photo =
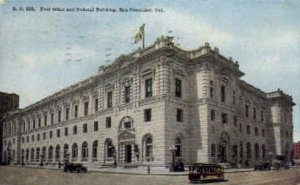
(150, 105)
(8, 102)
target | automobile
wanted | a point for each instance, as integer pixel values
(74, 167)
(263, 166)
(200, 172)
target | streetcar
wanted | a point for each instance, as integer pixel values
(205, 172)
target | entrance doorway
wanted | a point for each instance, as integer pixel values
(223, 154)
(128, 153)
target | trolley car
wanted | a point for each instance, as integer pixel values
(205, 172)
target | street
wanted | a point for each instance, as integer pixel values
(31, 176)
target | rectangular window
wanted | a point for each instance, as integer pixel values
(23, 139)
(211, 89)
(256, 131)
(96, 126)
(213, 150)
(86, 108)
(57, 133)
(246, 111)
(32, 138)
(66, 131)
(52, 118)
(44, 135)
(84, 128)
(235, 121)
(248, 129)
(108, 122)
(67, 113)
(147, 115)
(241, 129)
(223, 93)
(40, 122)
(27, 139)
(76, 111)
(224, 118)
(74, 130)
(109, 99)
(50, 134)
(45, 120)
(178, 88)
(33, 124)
(254, 113)
(262, 116)
(179, 115)
(263, 132)
(96, 104)
(127, 94)
(59, 116)
(38, 137)
(148, 87)
(233, 97)
(212, 114)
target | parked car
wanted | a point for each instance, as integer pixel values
(74, 167)
(263, 166)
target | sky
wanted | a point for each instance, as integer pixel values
(42, 52)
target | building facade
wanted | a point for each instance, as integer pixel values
(151, 105)
(296, 150)
(8, 102)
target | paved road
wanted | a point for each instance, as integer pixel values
(29, 176)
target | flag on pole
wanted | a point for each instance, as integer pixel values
(140, 35)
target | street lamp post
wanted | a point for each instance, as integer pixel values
(172, 150)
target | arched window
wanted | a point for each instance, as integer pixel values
(57, 153)
(256, 151)
(37, 154)
(263, 148)
(27, 154)
(22, 155)
(44, 153)
(178, 146)
(50, 153)
(84, 151)
(95, 146)
(32, 155)
(249, 152)
(74, 152)
(148, 147)
(66, 152)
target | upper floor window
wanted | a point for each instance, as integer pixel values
(66, 131)
(233, 97)
(33, 123)
(262, 116)
(44, 135)
(76, 111)
(74, 130)
(45, 120)
(254, 113)
(57, 133)
(179, 115)
(108, 122)
(178, 88)
(147, 115)
(148, 87)
(52, 118)
(256, 131)
(96, 126)
(109, 99)
(96, 104)
(263, 132)
(212, 115)
(247, 111)
(59, 116)
(86, 108)
(67, 113)
(211, 89)
(224, 118)
(40, 121)
(248, 129)
(38, 137)
(84, 128)
(50, 134)
(127, 94)
(223, 93)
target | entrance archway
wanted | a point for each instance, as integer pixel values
(128, 153)
(224, 147)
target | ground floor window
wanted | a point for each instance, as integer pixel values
(74, 152)
(84, 151)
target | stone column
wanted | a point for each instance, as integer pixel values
(132, 154)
